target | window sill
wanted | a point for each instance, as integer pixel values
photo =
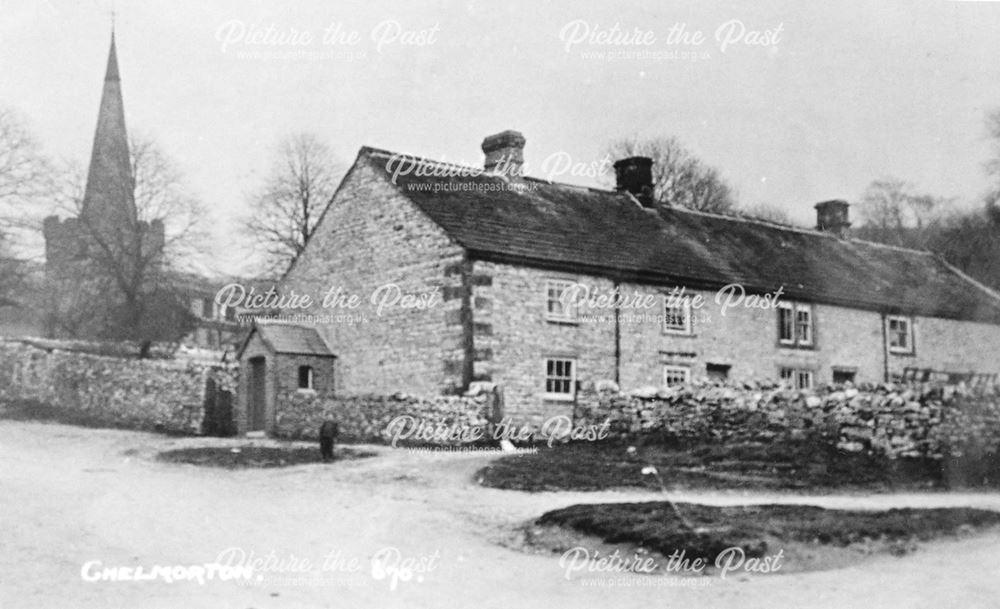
(679, 333)
(309, 392)
(558, 397)
(902, 353)
(560, 321)
(798, 346)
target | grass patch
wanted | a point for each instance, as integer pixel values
(244, 457)
(794, 465)
(702, 531)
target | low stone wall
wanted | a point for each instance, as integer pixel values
(161, 395)
(887, 420)
(369, 418)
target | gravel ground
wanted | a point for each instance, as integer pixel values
(71, 495)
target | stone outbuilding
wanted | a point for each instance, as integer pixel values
(277, 361)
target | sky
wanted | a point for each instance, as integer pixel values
(795, 102)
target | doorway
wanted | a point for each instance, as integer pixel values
(257, 395)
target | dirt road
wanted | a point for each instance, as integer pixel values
(72, 496)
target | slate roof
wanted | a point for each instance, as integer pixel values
(290, 339)
(586, 230)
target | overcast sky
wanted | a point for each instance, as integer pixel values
(832, 96)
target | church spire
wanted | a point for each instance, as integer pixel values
(109, 201)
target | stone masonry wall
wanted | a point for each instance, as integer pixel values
(888, 420)
(369, 418)
(371, 237)
(138, 394)
(513, 338)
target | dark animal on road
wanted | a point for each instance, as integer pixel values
(328, 432)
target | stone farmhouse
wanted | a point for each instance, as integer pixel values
(500, 252)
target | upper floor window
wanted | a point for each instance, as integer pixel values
(676, 315)
(560, 379)
(676, 375)
(795, 324)
(900, 334)
(556, 307)
(305, 377)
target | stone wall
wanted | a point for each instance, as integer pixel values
(513, 338)
(367, 418)
(512, 306)
(159, 395)
(371, 236)
(885, 420)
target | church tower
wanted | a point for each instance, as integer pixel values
(109, 201)
(88, 257)
(108, 215)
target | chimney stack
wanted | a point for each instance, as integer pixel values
(831, 217)
(504, 153)
(635, 175)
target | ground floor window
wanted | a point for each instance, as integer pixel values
(843, 375)
(305, 377)
(717, 372)
(676, 375)
(797, 378)
(560, 378)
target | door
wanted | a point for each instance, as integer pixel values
(257, 398)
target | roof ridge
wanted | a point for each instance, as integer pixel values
(722, 216)
(752, 220)
(427, 161)
(484, 172)
(889, 246)
(982, 286)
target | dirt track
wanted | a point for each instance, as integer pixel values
(70, 495)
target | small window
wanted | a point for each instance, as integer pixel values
(556, 308)
(843, 375)
(717, 372)
(305, 377)
(676, 315)
(900, 334)
(795, 324)
(197, 306)
(560, 379)
(797, 378)
(676, 375)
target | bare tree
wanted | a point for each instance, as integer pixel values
(893, 212)
(24, 174)
(162, 196)
(679, 177)
(286, 208)
(768, 213)
(971, 242)
(121, 284)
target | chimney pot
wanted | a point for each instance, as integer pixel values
(832, 217)
(504, 153)
(635, 175)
